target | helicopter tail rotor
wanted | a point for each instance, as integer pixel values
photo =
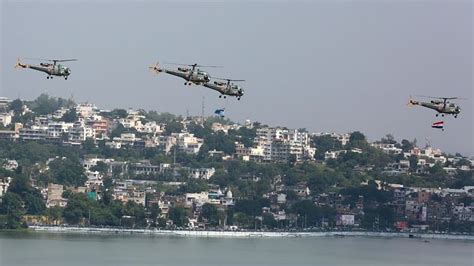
(155, 69)
(18, 64)
(411, 102)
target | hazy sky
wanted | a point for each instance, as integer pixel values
(323, 65)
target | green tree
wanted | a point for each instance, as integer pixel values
(16, 106)
(325, 143)
(178, 215)
(210, 213)
(173, 127)
(67, 171)
(119, 113)
(77, 208)
(413, 162)
(54, 214)
(269, 221)
(100, 167)
(407, 145)
(12, 206)
(70, 116)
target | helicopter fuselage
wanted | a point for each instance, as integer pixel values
(440, 107)
(197, 77)
(226, 89)
(50, 69)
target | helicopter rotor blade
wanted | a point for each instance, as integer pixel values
(441, 98)
(190, 65)
(237, 80)
(175, 64)
(63, 60)
(51, 60)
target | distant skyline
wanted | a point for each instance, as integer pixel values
(323, 65)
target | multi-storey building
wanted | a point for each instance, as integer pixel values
(34, 133)
(58, 129)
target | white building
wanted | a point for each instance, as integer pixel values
(199, 199)
(187, 142)
(57, 129)
(202, 173)
(4, 184)
(80, 132)
(5, 119)
(387, 148)
(34, 133)
(85, 109)
(150, 128)
(280, 144)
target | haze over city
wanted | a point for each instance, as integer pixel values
(323, 66)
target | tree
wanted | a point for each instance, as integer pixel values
(54, 214)
(119, 113)
(407, 145)
(210, 213)
(178, 215)
(325, 143)
(100, 167)
(78, 207)
(136, 211)
(194, 186)
(154, 212)
(173, 127)
(16, 106)
(357, 140)
(12, 206)
(269, 221)
(356, 136)
(44, 104)
(413, 160)
(70, 116)
(389, 139)
(67, 171)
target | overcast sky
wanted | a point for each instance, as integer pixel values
(326, 66)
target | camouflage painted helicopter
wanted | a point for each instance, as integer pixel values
(440, 105)
(191, 73)
(226, 88)
(52, 69)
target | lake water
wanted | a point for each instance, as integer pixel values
(33, 248)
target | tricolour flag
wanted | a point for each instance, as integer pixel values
(438, 124)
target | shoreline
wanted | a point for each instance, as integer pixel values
(244, 234)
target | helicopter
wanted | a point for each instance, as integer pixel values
(440, 104)
(191, 73)
(226, 88)
(52, 69)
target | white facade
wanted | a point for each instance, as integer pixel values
(202, 173)
(4, 184)
(5, 119)
(57, 129)
(187, 142)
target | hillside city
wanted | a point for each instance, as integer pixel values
(67, 163)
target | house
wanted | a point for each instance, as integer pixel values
(4, 184)
(55, 196)
(202, 173)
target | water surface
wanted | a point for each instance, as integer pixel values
(41, 249)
